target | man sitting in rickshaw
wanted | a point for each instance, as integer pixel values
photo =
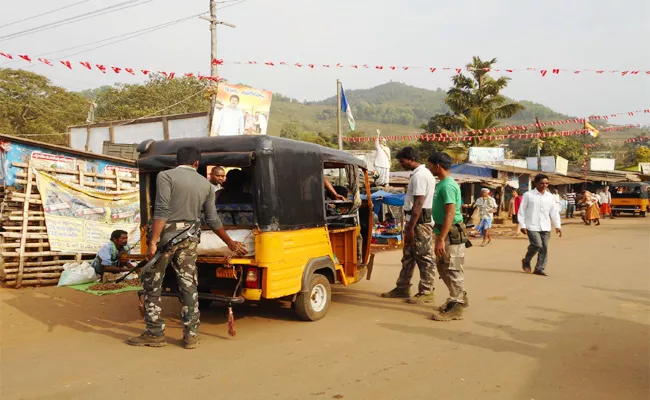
(233, 189)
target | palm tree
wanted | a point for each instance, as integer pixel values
(475, 118)
(480, 90)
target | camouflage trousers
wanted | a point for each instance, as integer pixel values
(450, 268)
(183, 260)
(419, 252)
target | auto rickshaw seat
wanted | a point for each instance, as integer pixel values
(236, 214)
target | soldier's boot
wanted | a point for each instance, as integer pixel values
(147, 339)
(421, 298)
(453, 311)
(465, 302)
(398, 293)
(190, 342)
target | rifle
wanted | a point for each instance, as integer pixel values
(192, 231)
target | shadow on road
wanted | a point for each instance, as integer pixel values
(645, 294)
(584, 356)
(69, 308)
(117, 316)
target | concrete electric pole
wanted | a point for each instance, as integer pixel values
(213, 53)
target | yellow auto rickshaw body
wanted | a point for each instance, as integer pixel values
(631, 198)
(304, 238)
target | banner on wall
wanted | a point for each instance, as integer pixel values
(487, 154)
(241, 110)
(81, 220)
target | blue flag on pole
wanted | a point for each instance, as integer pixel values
(345, 107)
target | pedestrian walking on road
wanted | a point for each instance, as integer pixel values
(418, 232)
(606, 203)
(570, 198)
(592, 212)
(538, 208)
(181, 194)
(486, 206)
(451, 237)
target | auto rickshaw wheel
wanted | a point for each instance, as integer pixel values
(313, 304)
(643, 213)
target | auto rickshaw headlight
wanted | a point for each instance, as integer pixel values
(252, 277)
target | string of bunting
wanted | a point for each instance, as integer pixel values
(630, 140)
(510, 128)
(452, 137)
(103, 68)
(457, 70)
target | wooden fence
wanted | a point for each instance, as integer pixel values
(25, 255)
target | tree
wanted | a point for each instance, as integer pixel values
(291, 130)
(31, 105)
(642, 154)
(569, 147)
(159, 96)
(480, 90)
(478, 119)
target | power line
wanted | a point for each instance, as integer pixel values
(126, 36)
(76, 18)
(142, 31)
(42, 14)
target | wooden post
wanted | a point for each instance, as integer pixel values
(165, 124)
(81, 175)
(111, 133)
(118, 181)
(23, 237)
(87, 137)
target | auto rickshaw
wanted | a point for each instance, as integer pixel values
(300, 241)
(630, 197)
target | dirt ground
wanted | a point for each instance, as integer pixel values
(581, 333)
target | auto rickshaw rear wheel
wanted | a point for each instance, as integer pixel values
(313, 304)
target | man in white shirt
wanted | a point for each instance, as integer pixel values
(606, 202)
(217, 177)
(538, 208)
(231, 119)
(418, 232)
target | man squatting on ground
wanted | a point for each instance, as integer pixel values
(181, 194)
(418, 232)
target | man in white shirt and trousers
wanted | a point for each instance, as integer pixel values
(418, 232)
(382, 161)
(538, 208)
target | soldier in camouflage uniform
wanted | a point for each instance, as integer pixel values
(181, 195)
(418, 248)
(451, 235)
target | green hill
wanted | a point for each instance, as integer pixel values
(396, 109)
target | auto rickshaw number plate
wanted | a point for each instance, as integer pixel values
(226, 272)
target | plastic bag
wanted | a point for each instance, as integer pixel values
(211, 245)
(76, 274)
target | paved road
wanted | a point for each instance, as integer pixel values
(581, 333)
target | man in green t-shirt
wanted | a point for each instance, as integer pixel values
(446, 214)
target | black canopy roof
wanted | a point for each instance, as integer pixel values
(288, 187)
(150, 150)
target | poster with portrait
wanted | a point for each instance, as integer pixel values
(241, 110)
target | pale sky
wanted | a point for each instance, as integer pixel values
(572, 34)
